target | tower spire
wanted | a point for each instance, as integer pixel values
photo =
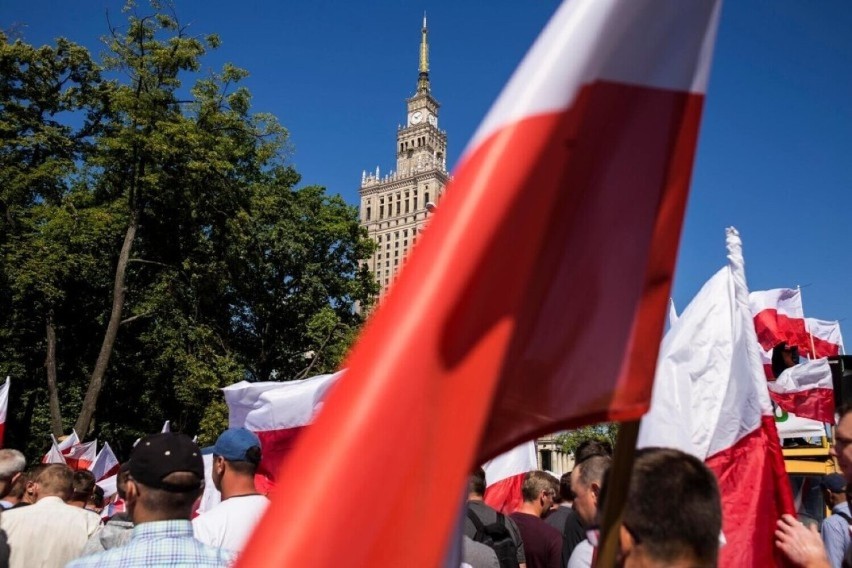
(423, 79)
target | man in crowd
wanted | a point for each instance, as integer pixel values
(673, 513)
(166, 477)
(84, 487)
(587, 479)
(50, 532)
(117, 531)
(542, 543)
(478, 512)
(12, 464)
(228, 525)
(835, 529)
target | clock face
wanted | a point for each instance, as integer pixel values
(433, 120)
(416, 117)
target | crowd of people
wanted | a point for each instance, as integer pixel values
(52, 515)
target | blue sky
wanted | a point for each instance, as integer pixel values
(773, 157)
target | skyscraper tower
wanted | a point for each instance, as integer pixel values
(394, 206)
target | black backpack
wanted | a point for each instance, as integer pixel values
(497, 536)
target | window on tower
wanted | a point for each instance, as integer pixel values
(368, 213)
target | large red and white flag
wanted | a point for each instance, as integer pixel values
(105, 464)
(535, 300)
(81, 456)
(4, 409)
(277, 412)
(53, 455)
(806, 390)
(826, 336)
(710, 400)
(778, 316)
(67, 443)
(504, 477)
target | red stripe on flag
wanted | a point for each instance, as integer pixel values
(772, 328)
(755, 493)
(505, 495)
(275, 444)
(814, 403)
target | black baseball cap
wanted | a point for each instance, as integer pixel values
(159, 455)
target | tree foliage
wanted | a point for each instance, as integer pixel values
(570, 440)
(154, 243)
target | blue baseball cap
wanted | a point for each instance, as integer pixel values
(834, 482)
(234, 443)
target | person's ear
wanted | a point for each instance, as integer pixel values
(595, 488)
(131, 494)
(625, 542)
(15, 478)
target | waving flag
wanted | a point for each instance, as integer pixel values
(806, 390)
(277, 412)
(81, 456)
(826, 336)
(710, 400)
(504, 476)
(534, 301)
(105, 464)
(778, 316)
(4, 408)
(53, 455)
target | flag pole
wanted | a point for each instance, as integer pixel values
(807, 327)
(618, 483)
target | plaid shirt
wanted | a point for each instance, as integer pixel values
(160, 543)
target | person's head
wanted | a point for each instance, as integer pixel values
(842, 447)
(538, 490)
(566, 494)
(166, 476)
(30, 487)
(673, 511)
(586, 481)
(96, 501)
(833, 489)
(12, 464)
(236, 455)
(783, 357)
(84, 486)
(16, 493)
(55, 480)
(591, 447)
(476, 483)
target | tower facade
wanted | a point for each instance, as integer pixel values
(394, 207)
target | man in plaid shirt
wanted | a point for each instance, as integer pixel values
(166, 477)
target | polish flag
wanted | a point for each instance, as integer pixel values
(504, 477)
(53, 455)
(710, 400)
(4, 408)
(806, 390)
(110, 486)
(827, 338)
(778, 316)
(277, 412)
(105, 464)
(81, 456)
(534, 302)
(67, 443)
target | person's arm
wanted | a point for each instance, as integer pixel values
(801, 545)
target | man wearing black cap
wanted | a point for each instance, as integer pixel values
(166, 477)
(835, 529)
(229, 524)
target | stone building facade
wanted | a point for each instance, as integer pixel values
(395, 207)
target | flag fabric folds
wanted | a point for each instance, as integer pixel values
(81, 456)
(504, 477)
(826, 337)
(277, 412)
(4, 408)
(53, 455)
(105, 464)
(710, 399)
(778, 316)
(806, 390)
(534, 301)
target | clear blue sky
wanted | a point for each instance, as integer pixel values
(773, 158)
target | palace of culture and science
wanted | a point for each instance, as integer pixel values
(394, 207)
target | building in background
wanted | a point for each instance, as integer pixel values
(395, 207)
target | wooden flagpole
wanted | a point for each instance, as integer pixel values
(618, 483)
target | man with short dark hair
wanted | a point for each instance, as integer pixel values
(673, 512)
(84, 487)
(587, 478)
(50, 532)
(166, 477)
(486, 515)
(228, 525)
(542, 543)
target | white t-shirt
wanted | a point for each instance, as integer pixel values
(582, 555)
(229, 524)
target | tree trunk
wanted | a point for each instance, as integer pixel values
(96, 381)
(50, 365)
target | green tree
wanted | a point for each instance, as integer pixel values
(570, 440)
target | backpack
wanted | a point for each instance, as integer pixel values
(845, 516)
(496, 536)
